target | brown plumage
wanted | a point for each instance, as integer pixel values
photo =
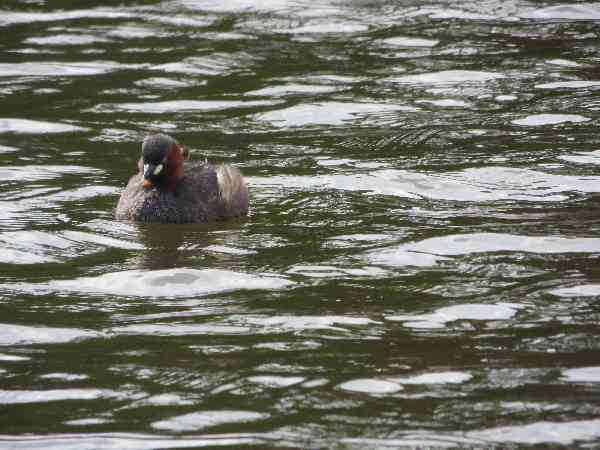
(167, 190)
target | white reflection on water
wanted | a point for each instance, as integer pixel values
(449, 13)
(274, 381)
(81, 193)
(11, 397)
(448, 77)
(433, 250)
(448, 377)
(370, 386)
(88, 421)
(170, 399)
(183, 20)
(22, 334)
(582, 375)
(13, 358)
(136, 32)
(25, 126)
(211, 65)
(538, 120)
(583, 157)
(470, 311)
(289, 346)
(129, 441)
(204, 419)
(67, 39)
(326, 27)
(36, 247)
(392, 385)
(10, 17)
(64, 376)
(21, 209)
(8, 149)
(292, 89)
(290, 323)
(328, 113)
(162, 83)
(583, 290)
(583, 11)
(168, 283)
(238, 5)
(446, 103)
(42, 172)
(562, 62)
(405, 41)
(569, 85)
(359, 240)
(482, 184)
(505, 98)
(564, 433)
(182, 105)
(62, 69)
(411, 441)
(179, 329)
(335, 272)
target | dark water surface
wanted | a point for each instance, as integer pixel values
(420, 267)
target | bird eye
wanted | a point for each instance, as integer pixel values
(158, 169)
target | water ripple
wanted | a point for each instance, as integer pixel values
(435, 250)
(582, 375)
(182, 106)
(131, 441)
(20, 335)
(448, 314)
(564, 433)
(420, 254)
(205, 419)
(584, 11)
(17, 397)
(66, 39)
(11, 17)
(25, 126)
(168, 283)
(61, 69)
(448, 77)
(36, 247)
(329, 113)
(537, 120)
(470, 185)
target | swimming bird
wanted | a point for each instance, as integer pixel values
(168, 190)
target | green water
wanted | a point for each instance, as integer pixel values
(419, 267)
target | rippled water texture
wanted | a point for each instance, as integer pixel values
(420, 265)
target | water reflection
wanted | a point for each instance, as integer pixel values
(59, 69)
(483, 184)
(443, 316)
(200, 420)
(565, 433)
(537, 120)
(419, 268)
(21, 334)
(448, 77)
(25, 126)
(167, 283)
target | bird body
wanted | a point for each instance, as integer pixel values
(167, 191)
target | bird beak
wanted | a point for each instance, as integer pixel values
(148, 172)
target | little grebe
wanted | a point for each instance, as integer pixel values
(167, 191)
